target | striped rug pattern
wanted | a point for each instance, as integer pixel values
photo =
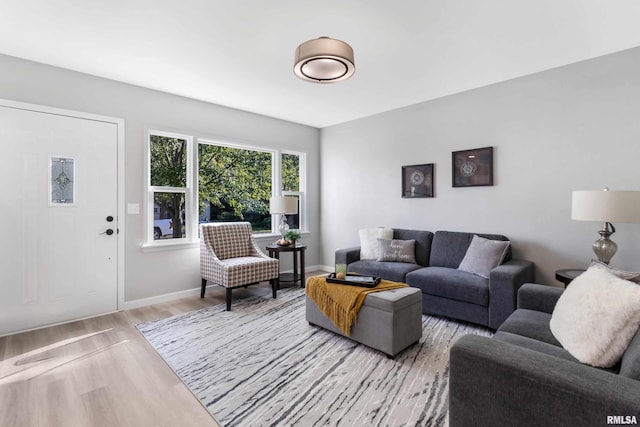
(262, 364)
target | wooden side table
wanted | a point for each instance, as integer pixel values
(274, 252)
(567, 275)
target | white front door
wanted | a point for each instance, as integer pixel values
(59, 175)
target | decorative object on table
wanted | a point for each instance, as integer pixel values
(606, 206)
(292, 236)
(324, 60)
(341, 271)
(472, 168)
(353, 279)
(283, 205)
(417, 181)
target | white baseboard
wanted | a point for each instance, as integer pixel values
(128, 305)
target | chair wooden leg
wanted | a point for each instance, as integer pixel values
(204, 285)
(228, 299)
(274, 287)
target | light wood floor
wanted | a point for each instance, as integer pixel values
(101, 372)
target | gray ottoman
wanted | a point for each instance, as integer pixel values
(389, 321)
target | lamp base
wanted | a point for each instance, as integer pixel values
(284, 226)
(605, 248)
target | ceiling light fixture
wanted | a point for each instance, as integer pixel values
(324, 60)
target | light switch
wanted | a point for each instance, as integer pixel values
(133, 209)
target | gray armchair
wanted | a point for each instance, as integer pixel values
(229, 257)
(522, 376)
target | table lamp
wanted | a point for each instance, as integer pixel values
(606, 206)
(283, 205)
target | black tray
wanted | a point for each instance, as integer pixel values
(355, 280)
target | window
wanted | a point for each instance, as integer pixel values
(291, 173)
(169, 188)
(234, 184)
(197, 181)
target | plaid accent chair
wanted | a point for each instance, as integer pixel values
(229, 257)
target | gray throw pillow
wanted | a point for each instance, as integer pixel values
(483, 255)
(625, 275)
(392, 250)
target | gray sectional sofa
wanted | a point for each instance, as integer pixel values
(522, 376)
(446, 290)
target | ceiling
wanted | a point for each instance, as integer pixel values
(239, 53)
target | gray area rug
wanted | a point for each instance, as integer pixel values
(261, 364)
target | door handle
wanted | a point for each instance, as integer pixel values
(108, 232)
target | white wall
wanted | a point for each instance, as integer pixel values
(572, 128)
(158, 273)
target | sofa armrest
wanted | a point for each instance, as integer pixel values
(532, 296)
(347, 255)
(504, 282)
(494, 383)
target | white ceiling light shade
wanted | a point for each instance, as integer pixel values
(324, 60)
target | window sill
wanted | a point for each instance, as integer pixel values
(169, 245)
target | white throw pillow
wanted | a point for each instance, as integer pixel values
(483, 255)
(369, 241)
(596, 317)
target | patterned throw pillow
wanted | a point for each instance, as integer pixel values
(392, 250)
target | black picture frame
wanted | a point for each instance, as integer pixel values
(472, 168)
(417, 181)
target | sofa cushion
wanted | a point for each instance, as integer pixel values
(483, 255)
(596, 318)
(423, 243)
(393, 300)
(394, 271)
(533, 344)
(392, 250)
(451, 283)
(630, 364)
(530, 323)
(369, 241)
(449, 247)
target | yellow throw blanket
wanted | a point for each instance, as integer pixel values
(341, 303)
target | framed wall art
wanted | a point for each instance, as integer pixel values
(417, 181)
(472, 168)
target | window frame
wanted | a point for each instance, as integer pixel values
(302, 186)
(274, 176)
(187, 190)
(190, 191)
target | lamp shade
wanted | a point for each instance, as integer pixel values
(283, 205)
(606, 206)
(324, 60)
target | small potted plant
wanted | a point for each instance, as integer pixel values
(292, 236)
